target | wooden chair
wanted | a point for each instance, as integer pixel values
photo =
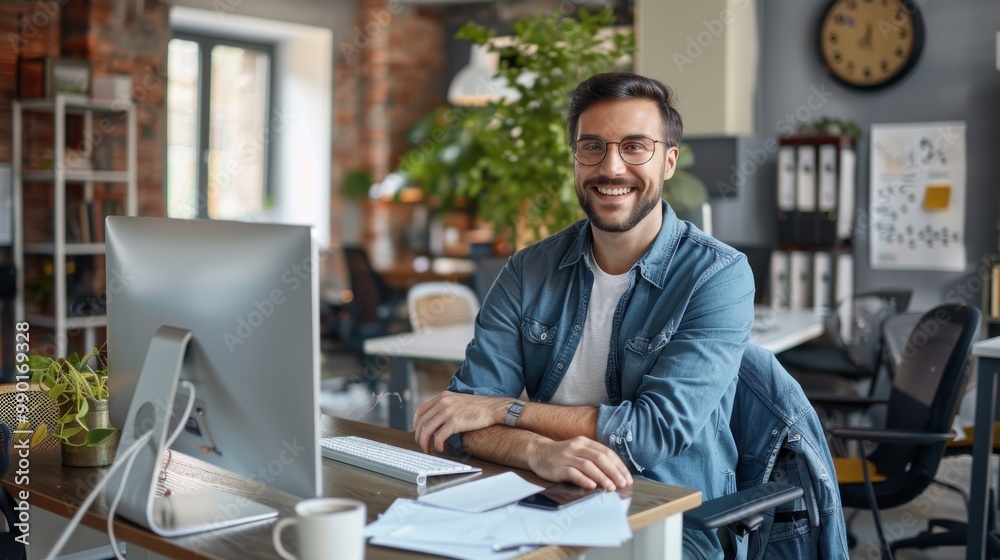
(41, 410)
(437, 304)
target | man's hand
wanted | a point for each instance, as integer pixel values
(453, 413)
(579, 460)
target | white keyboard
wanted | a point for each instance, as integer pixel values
(404, 464)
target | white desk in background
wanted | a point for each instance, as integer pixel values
(447, 344)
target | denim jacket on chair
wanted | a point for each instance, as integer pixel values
(779, 438)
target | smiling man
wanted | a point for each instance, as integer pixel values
(626, 329)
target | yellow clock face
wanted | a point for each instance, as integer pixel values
(870, 43)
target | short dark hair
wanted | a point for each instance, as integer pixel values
(625, 85)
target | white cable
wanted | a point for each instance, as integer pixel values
(170, 441)
(128, 457)
(134, 448)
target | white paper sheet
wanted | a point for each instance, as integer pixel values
(412, 525)
(483, 494)
(917, 196)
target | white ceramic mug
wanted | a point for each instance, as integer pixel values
(327, 528)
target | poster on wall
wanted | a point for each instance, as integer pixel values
(917, 196)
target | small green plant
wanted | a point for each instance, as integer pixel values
(831, 126)
(70, 382)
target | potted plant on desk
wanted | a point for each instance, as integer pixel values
(81, 393)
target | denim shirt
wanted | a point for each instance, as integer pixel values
(780, 438)
(677, 337)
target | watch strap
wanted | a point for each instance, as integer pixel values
(513, 411)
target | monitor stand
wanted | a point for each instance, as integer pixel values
(152, 403)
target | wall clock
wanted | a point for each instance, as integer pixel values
(870, 44)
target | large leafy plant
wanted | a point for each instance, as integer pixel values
(512, 159)
(70, 382)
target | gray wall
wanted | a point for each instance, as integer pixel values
(956, 79)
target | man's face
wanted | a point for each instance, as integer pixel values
(616, 195)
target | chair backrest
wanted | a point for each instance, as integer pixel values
(927, 389)
(41, 410)
(487, 270)
(895, 332)
(436, 304)
(369, 290)
(858, 324)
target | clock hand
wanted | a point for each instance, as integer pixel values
(866, 39)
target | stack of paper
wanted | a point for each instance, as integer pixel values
(503, 532)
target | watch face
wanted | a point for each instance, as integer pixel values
(870, 43)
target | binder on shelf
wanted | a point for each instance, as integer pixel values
(786, 178)
(827, 197)
(995, 291)
(823, 282)
(800, 280)
(805, 179)
(779, 280)
(845, 194)
(844, 290)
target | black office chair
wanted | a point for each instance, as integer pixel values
(954, 532)
(10, 548)
(926, 392)
(851, 348)
(487, 270)
(372, 312)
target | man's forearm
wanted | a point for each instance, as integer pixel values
(502, 444)
(559, 422)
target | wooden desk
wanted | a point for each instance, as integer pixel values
(404, 275)
(655, 513)
(447, 344)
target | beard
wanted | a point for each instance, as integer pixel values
(644, 204)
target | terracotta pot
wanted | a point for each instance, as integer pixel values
(100, 455)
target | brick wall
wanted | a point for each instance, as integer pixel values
(389, 75)
(113, 39)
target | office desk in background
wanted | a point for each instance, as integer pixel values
(655, 513)
(404, 275)
(447, 344)
(987, 383)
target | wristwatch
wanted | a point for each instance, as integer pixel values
(513, 411)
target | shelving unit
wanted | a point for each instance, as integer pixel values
(58, 249)
(812, 265)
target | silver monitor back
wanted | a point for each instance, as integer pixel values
(248, 293)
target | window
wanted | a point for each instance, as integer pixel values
(218, 93)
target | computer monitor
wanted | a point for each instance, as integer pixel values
(232, 308)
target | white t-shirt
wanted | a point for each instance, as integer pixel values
(584, 381)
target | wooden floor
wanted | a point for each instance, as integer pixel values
(345, 394)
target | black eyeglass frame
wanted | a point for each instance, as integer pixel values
(652, 153)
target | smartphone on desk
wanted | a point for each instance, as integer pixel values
(559, 496)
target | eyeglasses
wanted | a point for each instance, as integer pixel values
(634, 150)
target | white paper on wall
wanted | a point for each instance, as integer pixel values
(917, 196)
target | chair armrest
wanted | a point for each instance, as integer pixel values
(834, 400)
(891, 436)
(740, 506)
